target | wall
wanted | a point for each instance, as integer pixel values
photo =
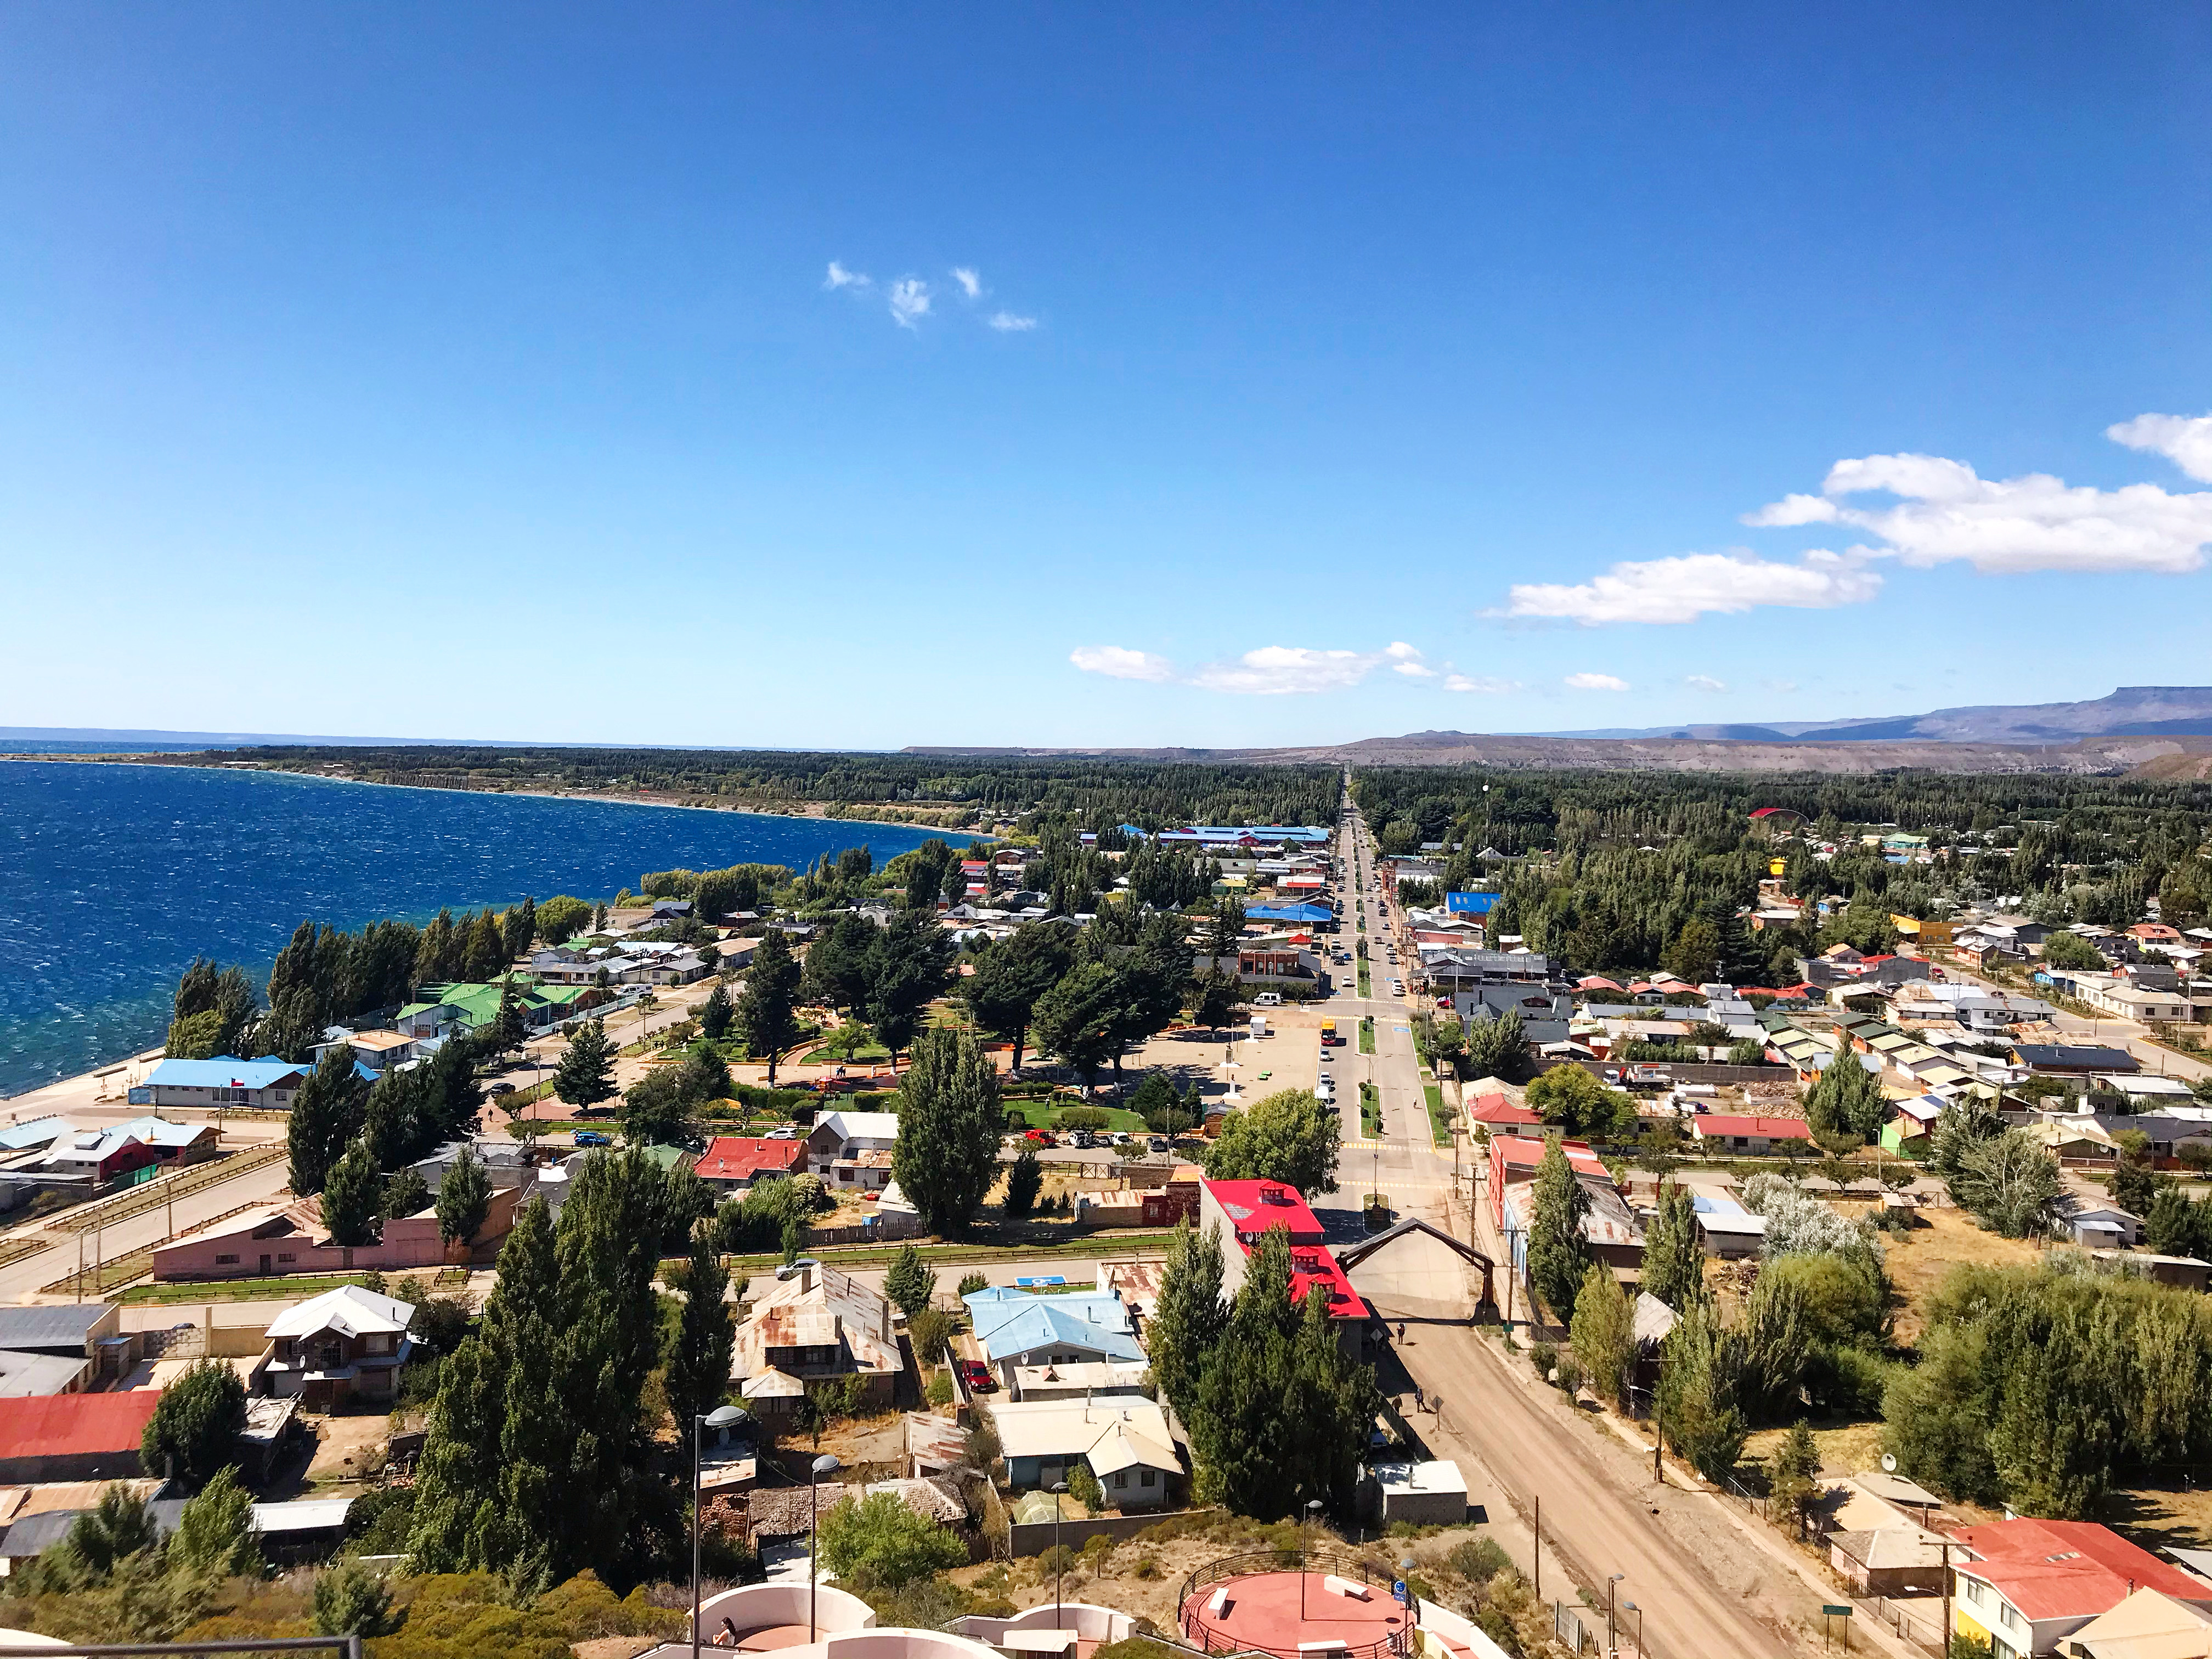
(1035, 1537)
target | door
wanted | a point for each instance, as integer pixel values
(264, 1265)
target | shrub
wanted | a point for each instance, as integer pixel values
(931, 1333)
(1544, 1356)
(1479, 1560)
(973, 1282)
(1568, 1376)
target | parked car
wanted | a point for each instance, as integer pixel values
(591, 1138)
(797, 1266)
(1157, 1144)
(1083, 1138)
(501, 1089)
(1040, 1137)
(782, 1132)
(977, 1376)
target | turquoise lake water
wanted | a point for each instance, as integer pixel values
(112, 876)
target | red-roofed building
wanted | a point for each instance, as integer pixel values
(1246, 1211)
(1757, 1136)
(2029, 1583)
(1514, 1158)
(1502, 1117)
(731, 1163)
(74, 1436)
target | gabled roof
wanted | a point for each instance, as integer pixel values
(1770, 1128)
(220, 1074)
(859, 1126)
(1100, 1323)
(1254, 1206)
(737, 1157)
(349, 1310)
(58, 1425)
(2067, 1568)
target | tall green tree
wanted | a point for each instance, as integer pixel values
(352, 1199)
(910, 1282)
(2008, 1181)
(196, 1424)
(1186, 1327)
(216, 1536)
(1570, 1100)
(839, 964)
(1012, 977)
(1289, 1136)
(463, 1199)
(714, 1015)
(1603, 1333)
(767, 1009)
(1499, 1046)
(699, 1359)
(327, 1114)
(585, 1074)
(1025, 1180)
(1696, 1411)
(910, 964)
(1079, 1019)
(1557, 1254)
(946, 1155)
(1844, 1099)
(1674, 1261)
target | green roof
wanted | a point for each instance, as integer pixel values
(666, 1157)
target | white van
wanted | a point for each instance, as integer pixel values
(1268, 1000)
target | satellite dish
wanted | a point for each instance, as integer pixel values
(1889, 1462)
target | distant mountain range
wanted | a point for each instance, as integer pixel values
(2131, 711)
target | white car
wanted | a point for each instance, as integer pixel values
(1397, 987)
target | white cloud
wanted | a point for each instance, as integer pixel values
(841, 277)
(970, 283)
(1007, 322)
(1280, 670)
(1119, 662)
(1704, 682)
(909, 301)
(1777, 685)
(1945, 512)
(1481, 683)
(1596, 683)
(2184, 440)
(1683, 588)
(1414, 671)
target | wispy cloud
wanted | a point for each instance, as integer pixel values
(2184, 440)
(840, 277)
(1683, 588)
(1007, 322)
(1595, 682)
(971, 284)
(909, 301)
(1119, 662)
(1482, 683)
(1704, 682)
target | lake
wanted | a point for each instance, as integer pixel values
(114, 877)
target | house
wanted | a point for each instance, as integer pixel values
(1897, 1560)
(852, 1150)
(62, 1330)
(74, 1436)
(2062, 1060)
(374, 1052)
(1123, 1438)
(1611, 1232)
(2024, 1585)
(1017, 1331)
(1546, 1014)
(259, 1085)
(22, 1375)
(819, 1326)
(346, 1344)
(1758, 1137)
(731, 1163)
(1247, 1211)
(2149, 1625)
(288, 1238)
(1079, 1381)
(88, 1159)
(2094, 1222)
(1915, 1118)
(1725, 1228)
(1498, 1116)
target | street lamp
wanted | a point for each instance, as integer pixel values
(1612, 1644)
(1631, 1607)
(1059, 1491)
(720, 1417)
(1312, 1513)
(825, 1464)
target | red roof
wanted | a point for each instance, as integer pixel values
(740, 1157)
(1311, 1266)
(1596, 982)
(1497, 1108)
(1254, 1206)
(65, 1425)
(1520, 1149)
(2069, 1569)
(1773, 1128)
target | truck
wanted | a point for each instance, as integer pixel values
(1328, 1036)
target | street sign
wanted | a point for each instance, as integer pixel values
(1837, 1613)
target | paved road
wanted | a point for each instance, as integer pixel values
(2114, 1033)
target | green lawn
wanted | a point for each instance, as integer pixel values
(1371, 1112)
(239, 1290)
(1115, 1240)
(1439, 1119)
(1363, 977)
(1367, 1034)
(1045, 1115)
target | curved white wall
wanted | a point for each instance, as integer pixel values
(904, 1644)
(778, 1601)
(1087, 1620)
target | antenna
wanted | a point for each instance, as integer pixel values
(1889, 1462)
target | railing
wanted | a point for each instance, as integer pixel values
(1209, 1640)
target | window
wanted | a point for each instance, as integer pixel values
(286, 1255)
(1121, 1477)
(226, 1261)
(1149, 1477)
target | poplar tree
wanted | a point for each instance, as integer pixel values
(1604, 1332)
(767, 1012)
(1674, 1261)
(352, 1199)
(327, 1113)
(948, 1121)
(1844, 1099)
(463, 1199)
(1185, 1330)
(1698, 1412)
(1558, 1255)
(699, 1361)
(911, 1283)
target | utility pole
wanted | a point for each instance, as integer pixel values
(1946, 1638)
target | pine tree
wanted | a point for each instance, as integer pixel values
(518, 927)
(327, 1114)
(1241, 1428)
(1558, 1255)
(1010, 978)
(463, 1199)
(1844, 1099)
(487, 958)
(1025, 1181)
(911, 1283)
(1674, 1261)
(1797, 1460)
(714, 1015)
(766, 1016)
(216, 1536)
(699, 1363)
(352, 1199)
(585, 1075)
(949, 1116)
(909, 965)
(1185, 1330)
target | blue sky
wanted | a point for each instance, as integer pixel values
(481, 371)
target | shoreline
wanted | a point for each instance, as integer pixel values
(811, 816)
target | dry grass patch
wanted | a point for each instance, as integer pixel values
(1846, 1449)
(1919, 1259)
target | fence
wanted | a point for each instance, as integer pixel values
(1026, 1538)
(1920, 1622)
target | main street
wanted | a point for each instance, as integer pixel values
(1515, 1443)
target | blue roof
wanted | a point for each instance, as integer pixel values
(223, 1073)
(38, 1133)
(1017, 1323)
(1290, 913)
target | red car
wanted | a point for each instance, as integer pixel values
(977, 1376)
(1040, 1137)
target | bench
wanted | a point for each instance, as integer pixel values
(1336, 1586)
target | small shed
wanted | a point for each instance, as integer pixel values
(1430, 1494)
